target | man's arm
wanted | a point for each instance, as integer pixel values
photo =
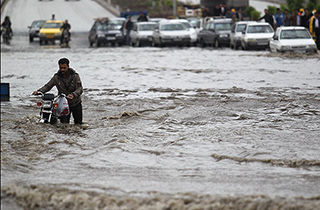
(79, 89)
(261, 18)
(48, 86)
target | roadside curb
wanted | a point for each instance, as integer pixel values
(115, 10)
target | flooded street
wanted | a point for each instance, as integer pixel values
(165, 128)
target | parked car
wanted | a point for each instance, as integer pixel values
(142, 33)
(216, 32)
(292, 39)
(105, 31)
(169, 33)
(34, 29)
(157, 20)
(236, 33)
(118, 21)
(256, 36)
(50, 31)
(187, 25)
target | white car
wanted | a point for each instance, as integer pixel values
(236, 33)
(292, 39)
(257, 36)
(141, 33)
(192, 30)
(169, 33)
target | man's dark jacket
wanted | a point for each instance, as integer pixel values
(268, 19)
(69, 85)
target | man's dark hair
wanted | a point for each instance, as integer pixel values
(63, 61)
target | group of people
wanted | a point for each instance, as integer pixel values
(222, 11)
(128, 25)
(302, 17)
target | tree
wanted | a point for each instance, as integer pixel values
(312, 4)
(295, 4)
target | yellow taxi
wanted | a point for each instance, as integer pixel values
(50, 31)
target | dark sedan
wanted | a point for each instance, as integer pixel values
(105, 32)
(35, 28)
(216, 33)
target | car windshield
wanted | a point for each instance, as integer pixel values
(172, 27)
(147, 27)
(117, 22)
(186, 24)
(240, 27)
(107, 26)
(37, 24)
(195, 23)
(294, 34)
(260, 29)
(223, 26)
(52, 25)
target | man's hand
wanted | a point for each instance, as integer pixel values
(70, 96)
(35, 92)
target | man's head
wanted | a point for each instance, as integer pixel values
(266, 11)
(66, 21)
(63, 65)
(278, 11)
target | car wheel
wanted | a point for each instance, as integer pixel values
(137, 43)
(153, 44)
(216, 43)
(202, 44)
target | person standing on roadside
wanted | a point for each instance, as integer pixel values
(267, 18)
(68, 82)
(142, 18)
(286, 18)
(316, 28)
(279, 18)
(128, 26)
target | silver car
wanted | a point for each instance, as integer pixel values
(142, 33)
(236, 33)
(169, 33)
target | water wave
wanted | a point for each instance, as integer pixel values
(275, 162)
(56, 197)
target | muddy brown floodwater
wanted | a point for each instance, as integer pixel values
(165, 128)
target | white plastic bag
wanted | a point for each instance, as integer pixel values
(63, 107)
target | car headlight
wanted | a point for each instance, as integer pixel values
(251, 40)
(100, 35)
(118, 35)
(311, 46)
(165, 37)
(285, 47)
(223, 35)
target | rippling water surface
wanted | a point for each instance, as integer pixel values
(165, 128)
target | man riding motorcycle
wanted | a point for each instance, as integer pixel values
(65, 29)
(6, 27)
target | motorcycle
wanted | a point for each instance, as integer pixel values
(6, 35)
(52, 107)
(65, 38)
